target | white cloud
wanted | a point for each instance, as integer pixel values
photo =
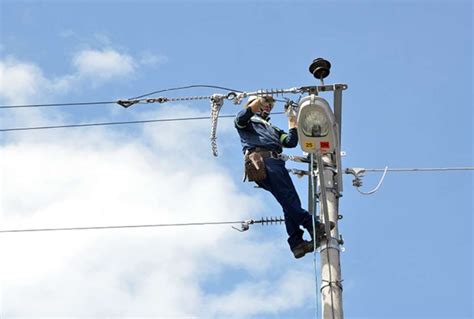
(166, 174)
(101, 177)
(26, 83)
(23, 81)
(20, 79)
(103, 64)
(264, 297)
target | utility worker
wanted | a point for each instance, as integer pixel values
(262, 144)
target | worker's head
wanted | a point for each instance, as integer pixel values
(265, 104)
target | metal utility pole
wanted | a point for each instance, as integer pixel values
(331, 281)
(319, 130)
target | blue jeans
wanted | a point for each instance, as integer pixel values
(279, 183)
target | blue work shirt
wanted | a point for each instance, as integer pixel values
(255, 132)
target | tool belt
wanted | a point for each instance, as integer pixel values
(254, 165)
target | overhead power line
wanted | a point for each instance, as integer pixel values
(114, 227)
(245, 224)
(186, 87)
(115, 102)
(108, 123)
(56, 104)
(414, 169)
(116, 123)
(359, 173)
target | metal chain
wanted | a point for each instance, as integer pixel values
(189, 98)
(161, 99)
(217, 101)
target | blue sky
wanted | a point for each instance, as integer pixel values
(408, 65)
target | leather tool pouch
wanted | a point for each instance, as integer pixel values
(255, 167)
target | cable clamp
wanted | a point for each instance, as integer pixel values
(237, 99)
(357, 181)
(245, 225)
(358, 173)
(337, 283)
(127, 103)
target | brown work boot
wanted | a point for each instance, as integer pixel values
(302, 248)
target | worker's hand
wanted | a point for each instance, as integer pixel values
(291, 110)
(292, 121)
(255, 105)
(262, 103)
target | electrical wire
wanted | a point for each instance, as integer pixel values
(376, 187)
(108, 123)
(115, 102)
(186, 87)
(429, 169)
(117, 123)
(56, 104)
(116, 227)
(359, 173)
(301, 173)
(313, 209)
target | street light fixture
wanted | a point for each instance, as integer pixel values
(317, 128)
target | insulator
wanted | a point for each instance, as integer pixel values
(320, 68)
(270, 220)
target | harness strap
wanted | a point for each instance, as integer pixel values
(265, 153)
